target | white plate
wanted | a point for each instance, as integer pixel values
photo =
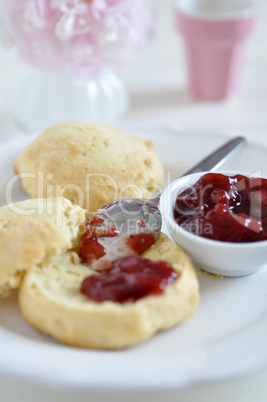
(225, 338)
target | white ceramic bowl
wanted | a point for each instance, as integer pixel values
(217, 257)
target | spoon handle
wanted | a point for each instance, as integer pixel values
(219, 156)
(212, 161)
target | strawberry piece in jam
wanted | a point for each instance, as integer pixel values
(96, 227)
(139, 242)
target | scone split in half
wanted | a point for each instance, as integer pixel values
(50, 296)
(51, 301)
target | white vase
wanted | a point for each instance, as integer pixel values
(38, 100)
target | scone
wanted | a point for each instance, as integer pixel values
(39, 246)
(90, 165)
(51, 301)
(32, 230)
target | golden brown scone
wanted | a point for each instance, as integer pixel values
(50, 300)
(90, 165)
(31, 230)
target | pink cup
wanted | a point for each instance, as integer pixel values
(214, 32)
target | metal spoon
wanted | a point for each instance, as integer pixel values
(129, 226)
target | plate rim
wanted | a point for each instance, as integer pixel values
(184, 383)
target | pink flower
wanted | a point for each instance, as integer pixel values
(85, 37)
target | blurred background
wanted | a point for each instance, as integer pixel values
(157, 83)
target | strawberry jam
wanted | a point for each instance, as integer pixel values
(225, 208)
(139, 242)
(96, 227)
(129, 279)
(94, 245)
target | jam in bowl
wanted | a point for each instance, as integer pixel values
(225, 208)
(219, 219)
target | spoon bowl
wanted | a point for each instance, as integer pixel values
(216, 257)
(122, 228)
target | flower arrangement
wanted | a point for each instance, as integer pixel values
(85, 37)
